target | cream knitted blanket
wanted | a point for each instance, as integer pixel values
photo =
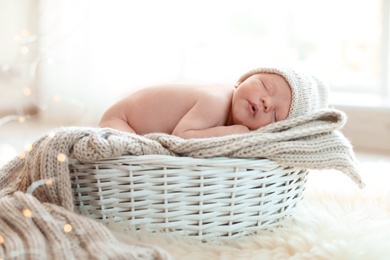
(310, 142)
(30, 229)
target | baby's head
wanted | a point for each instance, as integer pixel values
(307, 94)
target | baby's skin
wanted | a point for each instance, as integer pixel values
(202, 110)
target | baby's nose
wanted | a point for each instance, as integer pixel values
(266, 104)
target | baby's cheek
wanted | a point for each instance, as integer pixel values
(258, 123)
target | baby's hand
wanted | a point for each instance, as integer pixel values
(238, 129)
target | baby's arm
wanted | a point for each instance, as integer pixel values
(207, 118)
(212, 131)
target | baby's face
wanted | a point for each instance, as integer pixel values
(261, 99)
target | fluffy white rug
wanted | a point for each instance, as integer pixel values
(336, 220)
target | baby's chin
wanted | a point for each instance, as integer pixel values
(250, 127)
(253, 128)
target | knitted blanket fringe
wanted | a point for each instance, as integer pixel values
(33, 230)
(310, 142)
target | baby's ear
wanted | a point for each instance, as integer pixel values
(237, 84)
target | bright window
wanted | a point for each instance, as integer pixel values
(94, 51)
(345, 41)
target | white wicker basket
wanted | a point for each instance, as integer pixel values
(207, 198)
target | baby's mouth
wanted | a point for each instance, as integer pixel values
(252, 108)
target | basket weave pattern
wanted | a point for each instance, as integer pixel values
(214, 197)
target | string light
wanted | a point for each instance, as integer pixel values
(26, 91)
(21, 119)
(1, 239)
(27, 213)
(24, 50)
(25, 33)
(6, 119)
(38, 183)
(61, 157)
(57, 98)
(49, 182)
(22, 155)
(68, 228)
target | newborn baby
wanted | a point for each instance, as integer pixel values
(261, 97)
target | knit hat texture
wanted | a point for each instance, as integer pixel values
(309, 94)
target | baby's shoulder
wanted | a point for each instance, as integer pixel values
(196, 90)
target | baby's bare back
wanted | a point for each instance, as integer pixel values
(172, 108)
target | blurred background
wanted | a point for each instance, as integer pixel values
(64, 62)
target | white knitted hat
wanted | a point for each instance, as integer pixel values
(309, 94)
